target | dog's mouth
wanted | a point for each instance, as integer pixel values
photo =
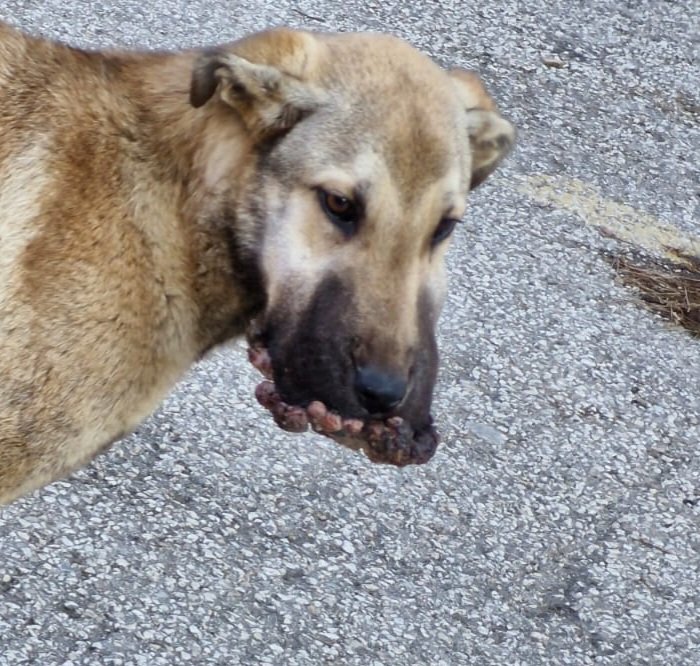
(391, 441)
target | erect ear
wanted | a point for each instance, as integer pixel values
(269, 93)
(491, 136)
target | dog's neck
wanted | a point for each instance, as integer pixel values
(168, 126)
(204, 155)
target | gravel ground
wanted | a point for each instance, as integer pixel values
(559, 522)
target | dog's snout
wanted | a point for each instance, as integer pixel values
(378, 391)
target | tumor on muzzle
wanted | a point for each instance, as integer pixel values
(313, 380)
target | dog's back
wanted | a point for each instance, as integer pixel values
(77, 266)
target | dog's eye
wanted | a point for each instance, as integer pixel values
(444, 229)
(340, 210)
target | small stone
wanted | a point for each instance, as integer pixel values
(486, 432)
(329, 638)
(554, 61)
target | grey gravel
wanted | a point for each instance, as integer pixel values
(559, 522)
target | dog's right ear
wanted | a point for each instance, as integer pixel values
(268, 98)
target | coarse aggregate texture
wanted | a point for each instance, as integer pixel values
(559, 522)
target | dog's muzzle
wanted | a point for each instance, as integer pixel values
(389, 440)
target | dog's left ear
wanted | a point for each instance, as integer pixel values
(268, 97)
(491, 136)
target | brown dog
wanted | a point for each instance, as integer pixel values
(152, 205)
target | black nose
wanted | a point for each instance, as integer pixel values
(378, 392)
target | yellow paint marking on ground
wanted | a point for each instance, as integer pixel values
(612, 218)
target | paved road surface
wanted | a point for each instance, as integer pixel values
(559, 522)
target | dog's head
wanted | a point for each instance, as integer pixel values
(365, 154)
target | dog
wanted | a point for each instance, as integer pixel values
(155, 205)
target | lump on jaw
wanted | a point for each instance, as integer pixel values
(391, 441)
